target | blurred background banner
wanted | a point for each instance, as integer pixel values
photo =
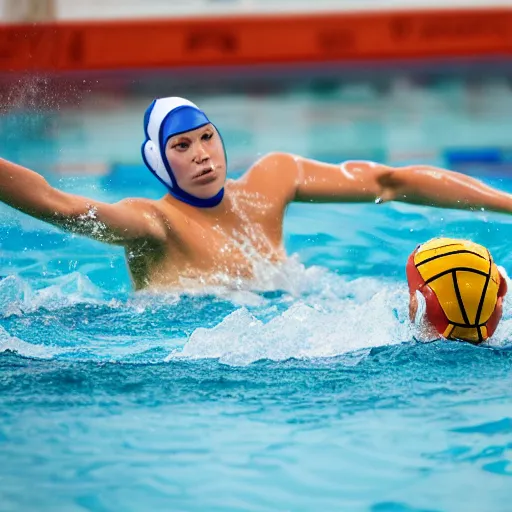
(64, 35)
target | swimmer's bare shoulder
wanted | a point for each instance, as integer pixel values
(275, 176)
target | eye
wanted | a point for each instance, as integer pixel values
(180, 146)
(207, 136)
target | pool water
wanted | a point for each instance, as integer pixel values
(304, 391)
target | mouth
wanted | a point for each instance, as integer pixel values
(206, 170)
(206, 174)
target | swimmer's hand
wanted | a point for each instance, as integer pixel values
(123, 223)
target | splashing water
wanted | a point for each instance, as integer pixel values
(302, 331)
(321, 315)
(318, 315)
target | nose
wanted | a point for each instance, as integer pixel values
(201, 155)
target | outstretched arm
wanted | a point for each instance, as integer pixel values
(121, 223)
(423, 184)
(312, 181)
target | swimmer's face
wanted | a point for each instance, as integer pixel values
(197, 160)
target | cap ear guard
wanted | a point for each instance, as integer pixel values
(153, 160)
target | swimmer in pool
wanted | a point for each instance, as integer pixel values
(456, 291)
(207, 226)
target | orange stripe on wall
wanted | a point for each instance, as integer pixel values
(244, 40)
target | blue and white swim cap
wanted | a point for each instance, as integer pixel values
(165, 118)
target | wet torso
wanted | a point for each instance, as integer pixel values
(211, 246)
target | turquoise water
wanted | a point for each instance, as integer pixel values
(308, 394)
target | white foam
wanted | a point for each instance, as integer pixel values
(11, 343)
(18, 297)
(67, 290)
(305, 331)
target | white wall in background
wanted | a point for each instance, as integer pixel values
(78, 9)
(26, 10)
(32, 10)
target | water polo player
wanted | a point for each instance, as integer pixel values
(207, 226)
(456, 290)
